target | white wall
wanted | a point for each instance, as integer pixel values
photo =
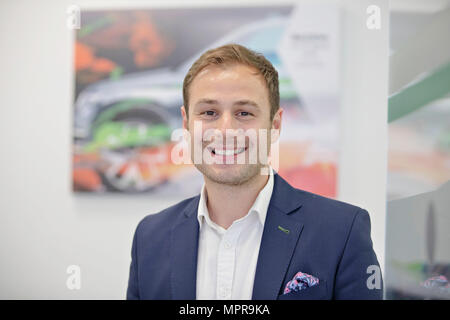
(44, 227)
(363, 161)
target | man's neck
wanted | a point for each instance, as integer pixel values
(227, 203)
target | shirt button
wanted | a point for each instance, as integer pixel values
(227, 245)
(223, 292)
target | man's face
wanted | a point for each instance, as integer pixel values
(222, 99)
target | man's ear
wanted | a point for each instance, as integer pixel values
(276, 124)
(185, 118)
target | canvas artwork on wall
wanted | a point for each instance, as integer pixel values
(129, 68)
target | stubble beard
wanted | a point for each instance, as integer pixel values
(234, 174)
(238, 175)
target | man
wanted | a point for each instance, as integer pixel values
(248, 235)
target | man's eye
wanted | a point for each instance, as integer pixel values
(244, 113)
(209, 113)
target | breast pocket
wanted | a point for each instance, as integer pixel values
(317, 292)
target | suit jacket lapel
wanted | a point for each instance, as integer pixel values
(183, 253)
(280, 236)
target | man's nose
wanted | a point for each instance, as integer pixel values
(226, 121)
(230, 129)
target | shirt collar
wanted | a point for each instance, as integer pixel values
(260, 205)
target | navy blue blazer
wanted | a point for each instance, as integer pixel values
(327, 239)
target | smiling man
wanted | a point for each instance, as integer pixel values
(248, 234)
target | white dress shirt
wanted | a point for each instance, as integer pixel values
(227, 258)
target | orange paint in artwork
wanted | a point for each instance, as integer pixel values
(83, 56)
(86, 179)
(123, 168)
(318, 178)
(103, 65)
(147, 44)
(85, 59)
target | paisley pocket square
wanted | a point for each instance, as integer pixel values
(300, 281)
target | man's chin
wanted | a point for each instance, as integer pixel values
(229, 174)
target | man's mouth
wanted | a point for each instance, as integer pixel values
(227, 151)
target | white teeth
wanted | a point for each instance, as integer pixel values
(228, 152)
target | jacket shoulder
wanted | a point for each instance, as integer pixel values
(163, 220)
(329, 211)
